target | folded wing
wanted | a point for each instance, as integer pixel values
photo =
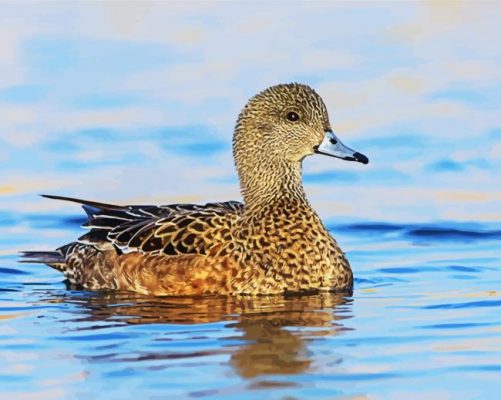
(172, 229)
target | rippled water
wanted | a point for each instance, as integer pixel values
(424, 322)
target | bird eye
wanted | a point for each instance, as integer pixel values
(292, 116)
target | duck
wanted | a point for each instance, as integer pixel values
(271, 243)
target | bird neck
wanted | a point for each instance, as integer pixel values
(272, 181)
(265, 176)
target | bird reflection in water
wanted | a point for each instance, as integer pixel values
(268, 344)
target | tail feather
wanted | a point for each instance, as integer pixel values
(57, 259)
(44, 257)
(88, 205)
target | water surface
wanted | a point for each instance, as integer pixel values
(424, 321)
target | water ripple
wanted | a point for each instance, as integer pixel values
(458, 325)
(432, 232)
(13, 271)
(472, 304)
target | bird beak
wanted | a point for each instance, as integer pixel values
(332, 146)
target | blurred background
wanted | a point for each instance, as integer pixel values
(135, 102)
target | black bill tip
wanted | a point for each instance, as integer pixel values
(360, 158)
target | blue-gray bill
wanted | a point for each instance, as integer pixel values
(332, 146)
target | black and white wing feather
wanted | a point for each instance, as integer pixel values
(171, 229)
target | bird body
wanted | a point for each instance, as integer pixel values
(272, 243)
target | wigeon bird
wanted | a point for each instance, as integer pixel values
(272, 243)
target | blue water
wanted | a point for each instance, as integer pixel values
(424, 321)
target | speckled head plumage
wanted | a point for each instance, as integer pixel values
(285, 121)
(275, 131)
